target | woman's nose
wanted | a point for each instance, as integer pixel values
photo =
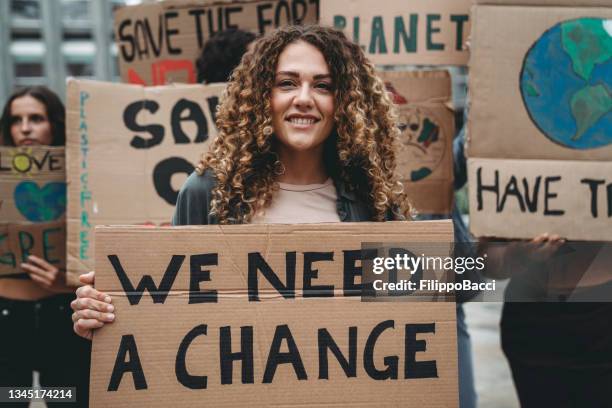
(304, 96)
(26, 126)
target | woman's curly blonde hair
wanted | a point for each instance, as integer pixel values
(359, 152)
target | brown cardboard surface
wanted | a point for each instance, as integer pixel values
(158, 42)
(32, 206)
(156, 330)
(547, 3)
(394, 32)
(578, 206)
(35, 176)
(425, 163)
(499, 124)
(46, 240)
(118, 173)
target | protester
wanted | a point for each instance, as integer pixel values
(221, 54)
(306, 134)
(35, 325)
(556, 329)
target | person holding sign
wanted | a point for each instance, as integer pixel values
(34, 307)
(306, 134)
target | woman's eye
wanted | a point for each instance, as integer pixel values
(285, 84)
(324, 85)
(37, 118)
(15, 120)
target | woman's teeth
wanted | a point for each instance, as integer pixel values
(301, 121)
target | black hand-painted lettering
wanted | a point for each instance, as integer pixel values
(196, 262)
(245, 355)
(310, 274)
(275, 357)
(162, 177)
(326, 342)
(158, 295)
(390, 362)
(132, 365)
(258, 263)
(129, 120)
(193, 382)
(413, 368)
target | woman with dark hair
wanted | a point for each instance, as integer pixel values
(35, 306)
(28, 113)
(306, 135)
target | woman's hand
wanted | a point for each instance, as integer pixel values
(92, 308)
(46, 275)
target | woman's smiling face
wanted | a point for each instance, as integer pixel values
(302, 101)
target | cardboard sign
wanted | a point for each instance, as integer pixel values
(259, 315)
(159, 42)
(130, 150)
(425, 153)
(570, 198)
(32, 206)
(532, 95)
(47, 240)
(418, 32)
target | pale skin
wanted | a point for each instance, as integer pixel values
(303, 107)
(30, 126)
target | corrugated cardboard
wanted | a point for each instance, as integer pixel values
(570, 198)
(499, 123)
(546, 3)
(392, 32)
(32, 205)
(47, 240)
(181, 320)
(528, 110)
(425, 151)
(158, 42)
(130, 150)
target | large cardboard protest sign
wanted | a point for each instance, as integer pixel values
(425, 149)
(541, 100)
(261, 315)
(535, 92)
(419, 32)
(159, 42)
(570, 198)
(32, 206)
(130, 149)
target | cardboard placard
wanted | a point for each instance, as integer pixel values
(546, 3)
(32, 206)
(570, 198)
(395, 32)
(425, 150)
(531, 94)
(47, 240)
(159, 42)
(130, 150)
(239, 326)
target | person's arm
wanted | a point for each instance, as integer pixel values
(505, 259)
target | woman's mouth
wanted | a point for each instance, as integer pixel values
(302, 122)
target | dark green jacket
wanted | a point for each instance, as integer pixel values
(193, 203)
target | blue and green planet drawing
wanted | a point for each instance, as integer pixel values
(566, 83)
(38, 204)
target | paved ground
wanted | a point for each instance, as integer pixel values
(493, 378)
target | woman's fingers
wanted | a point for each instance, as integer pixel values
(88, 278)
(33, 269)
(92, 314)
(89, 303)
(85, 327)
(40, 280)
(41, 263)
(89, 292)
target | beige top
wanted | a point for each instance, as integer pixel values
(301, 204)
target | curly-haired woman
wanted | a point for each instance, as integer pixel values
(306, 134)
